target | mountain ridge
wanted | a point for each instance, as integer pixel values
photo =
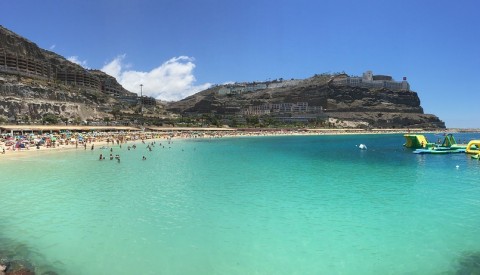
(36, 83)
(360, 106)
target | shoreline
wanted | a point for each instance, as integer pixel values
(100, 139)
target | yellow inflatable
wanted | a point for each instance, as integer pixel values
(416, 141)
(473, 147)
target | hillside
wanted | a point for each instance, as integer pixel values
(36, 84)
(341, 104)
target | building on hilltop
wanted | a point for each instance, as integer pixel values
(281, 108)
(259, 110)
(368, 80)
(236, 89)
(283, 83)
(240, 88)
(18, 64)
(76, 77)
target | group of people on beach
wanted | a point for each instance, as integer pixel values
(22, 142)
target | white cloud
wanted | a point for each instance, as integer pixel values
(52, 47)
(114, 68)
(75, 60)
(173, 80)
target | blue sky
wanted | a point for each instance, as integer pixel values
(178, 47)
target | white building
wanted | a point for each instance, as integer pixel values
(369, 80)
(271, 108)
(257, 110)
(241, 88)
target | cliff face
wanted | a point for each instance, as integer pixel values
(29, 100)
(35, 82)
(16, 44)
(360, 106)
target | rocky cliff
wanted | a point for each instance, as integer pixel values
(35, 82)
(343, 105)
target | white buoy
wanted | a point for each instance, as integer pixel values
(362, 146)
(458, 166)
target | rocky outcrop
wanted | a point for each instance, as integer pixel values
(372, 107)
(15, 259)
(28, 101)
(35, 82)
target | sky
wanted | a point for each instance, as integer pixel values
(176, 48)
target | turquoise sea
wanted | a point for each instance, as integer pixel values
(260, 205)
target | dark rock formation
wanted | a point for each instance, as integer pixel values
(17, 260)
(375, 107)
(469, 263)
(18, 267)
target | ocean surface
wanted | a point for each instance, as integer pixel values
(260, 205)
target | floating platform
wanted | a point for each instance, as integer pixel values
(473, 147)
(439, 150)
(422, 146)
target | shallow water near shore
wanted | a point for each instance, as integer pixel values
(262, 205)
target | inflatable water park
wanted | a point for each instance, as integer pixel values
(448, 146)
(473, 148)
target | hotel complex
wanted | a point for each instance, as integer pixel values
(368, 80)
(271, 108)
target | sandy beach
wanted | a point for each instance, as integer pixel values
(68, 137)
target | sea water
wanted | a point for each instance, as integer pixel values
(260, 205)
